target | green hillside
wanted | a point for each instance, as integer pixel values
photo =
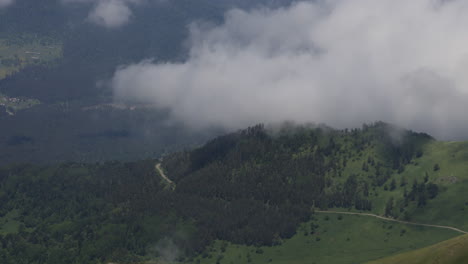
(329, 240)
(19, 51)
(451, 206)
(249, 195)
(453, 251)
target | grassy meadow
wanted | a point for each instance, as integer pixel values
(331, 239)
(453, 251)
(357, 239)
(20, 51)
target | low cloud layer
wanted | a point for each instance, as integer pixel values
(109, 13)
(5, 3)
(339, 62)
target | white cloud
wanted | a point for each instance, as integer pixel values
(341, 62)
(109, 13)
(5, 3)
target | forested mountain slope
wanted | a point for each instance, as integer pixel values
(253, 187)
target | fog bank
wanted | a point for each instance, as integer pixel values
(339, 62)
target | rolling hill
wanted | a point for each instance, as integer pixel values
(259, 195)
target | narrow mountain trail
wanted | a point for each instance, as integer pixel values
(164, 176)
(394, 220)
(173, 185)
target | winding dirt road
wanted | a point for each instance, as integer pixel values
(173, 185)
(164, 176)
(394, 220)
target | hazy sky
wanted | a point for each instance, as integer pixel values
(340, 62)
(4, 3)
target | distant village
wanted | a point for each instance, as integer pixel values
(10, 105)
(8, 101)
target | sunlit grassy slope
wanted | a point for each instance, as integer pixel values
(17, 52)
(340, 240)
(453, 251)
(357, 239)
(450, 207)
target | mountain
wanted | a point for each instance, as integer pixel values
(250, 194)
(87, 179)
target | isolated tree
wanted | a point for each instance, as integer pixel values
(403, 181)
(401, 169)
(392, 185)
(432, 190)
(426, 177)
(422, 199)
(436, 167)
(406, 198)
(389, 207)
(365, 189)
(414, 190)
(365, 167)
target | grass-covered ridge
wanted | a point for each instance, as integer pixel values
(331, 239)
(453, 251)
(443, 164)
(255, 189)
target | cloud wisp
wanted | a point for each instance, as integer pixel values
(339, 62)
(109, 13)
(5, 3)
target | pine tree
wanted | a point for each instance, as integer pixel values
(389, 207)
(393, 185)
(403, 181)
